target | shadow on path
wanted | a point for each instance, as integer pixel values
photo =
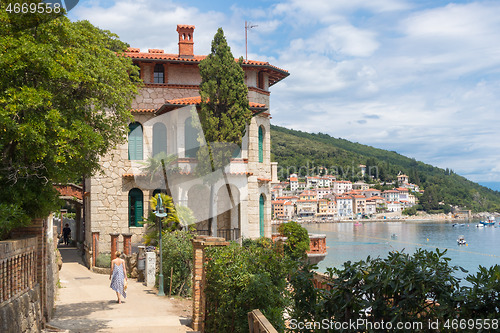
(75, 316)
(70, 254)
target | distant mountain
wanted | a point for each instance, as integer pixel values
(492, 185)
(308, 153)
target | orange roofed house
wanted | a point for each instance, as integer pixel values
(118, 199)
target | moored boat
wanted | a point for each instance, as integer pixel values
(461, 240)
(489, 221)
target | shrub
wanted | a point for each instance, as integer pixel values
(399, 288)
(103, 260)
(178, 254)
(480, 300)
(410, 211)
(297, 243)
(243, 278)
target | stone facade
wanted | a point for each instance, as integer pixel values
(172, 102)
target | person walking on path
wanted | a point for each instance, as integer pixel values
(118, 276)
(66, 233)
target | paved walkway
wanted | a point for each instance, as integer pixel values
(85, 303)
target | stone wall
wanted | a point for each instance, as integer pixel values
(41, 252)
(22, 314)
(21, 305)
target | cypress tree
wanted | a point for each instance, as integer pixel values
(224, 111)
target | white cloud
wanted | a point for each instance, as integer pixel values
(387, 73)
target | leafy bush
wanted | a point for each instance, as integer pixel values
(297, 243)
(11, 216)
(480, 300)
(399, 288)
(243, 278)
(178, 254)
(103, 260)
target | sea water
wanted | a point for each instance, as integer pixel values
(356, 241)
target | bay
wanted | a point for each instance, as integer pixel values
(348, 241)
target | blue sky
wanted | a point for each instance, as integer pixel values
(418, 77)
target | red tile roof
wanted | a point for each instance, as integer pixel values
(276, 74)
(375, 198)
(196, 100)
(131, 175)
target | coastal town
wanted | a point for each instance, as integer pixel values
(325, 198)
(148, 187)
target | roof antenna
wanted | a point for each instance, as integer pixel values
(248, 26)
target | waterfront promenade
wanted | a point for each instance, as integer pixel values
(85, 303)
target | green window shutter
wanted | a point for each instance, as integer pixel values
(138, 212)
(135, 207)
(135, 142)
(261, 215)
(159, 138)
(261, 145)
(190, 139)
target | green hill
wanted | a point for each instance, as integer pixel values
(306, 153)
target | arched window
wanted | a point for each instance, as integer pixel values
(135, 141)
(159, 139)
(261, 144)
(135, 207)
(159, 74)
(261, 215)
(190, 139)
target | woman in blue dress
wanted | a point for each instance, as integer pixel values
(118, 276)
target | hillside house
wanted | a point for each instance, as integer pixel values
(118, 199)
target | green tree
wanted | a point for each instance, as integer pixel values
(297, 242)
(224, 111)
(65, 100)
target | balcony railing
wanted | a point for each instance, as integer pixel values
(227, 234)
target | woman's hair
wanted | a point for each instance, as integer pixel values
(118, 254)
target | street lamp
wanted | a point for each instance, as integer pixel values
(160, 212)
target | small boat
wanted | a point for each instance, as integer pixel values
(490, 221)
(458, 225)
(357, 223)
(461, 240)
(479, 225)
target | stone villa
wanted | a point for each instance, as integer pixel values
(117, 200)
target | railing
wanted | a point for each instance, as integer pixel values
(227, 234)
(17, 267)
(203, 232)
(258, 323)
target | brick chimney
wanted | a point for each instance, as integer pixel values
(185, 40)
